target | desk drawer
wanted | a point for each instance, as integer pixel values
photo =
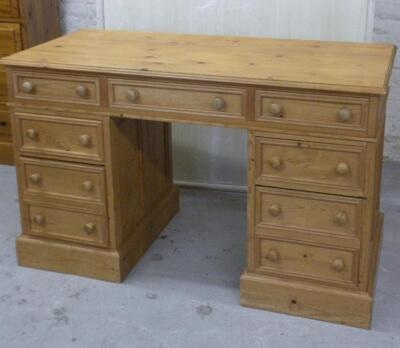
(335, 113)
(308, 261)
(60, 137)
(66, 224)
(302, 211)
(9, 8)
(208, 100)
(311, 166)
(57, 88)
(60, 180)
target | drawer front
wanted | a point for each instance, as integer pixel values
(310, 166)
(330, 112)
(66, 224)
(59, 137)
(49, 178)
(310, 212)
(5, 125)
(221, 102)
(57, 88)
(307, 261)
(9, 8)
(11, 42)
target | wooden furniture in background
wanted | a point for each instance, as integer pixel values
(23, 24)
(89, 116)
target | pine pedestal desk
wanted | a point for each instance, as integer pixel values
(91, 116)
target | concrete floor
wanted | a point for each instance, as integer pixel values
(184, 292)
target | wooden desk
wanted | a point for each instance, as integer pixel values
(91, 115)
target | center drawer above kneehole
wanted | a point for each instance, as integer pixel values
(178, 98)
(57, 88)
(324, 113)
(311, 166)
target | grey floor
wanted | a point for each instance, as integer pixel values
(184, 292)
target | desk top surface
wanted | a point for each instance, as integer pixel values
(346, 67)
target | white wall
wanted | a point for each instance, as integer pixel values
(217, 156)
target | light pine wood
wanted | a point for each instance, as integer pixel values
(60, 137)
(59, 88)
(342, 114)
(302, 299)
(307, 261)
(320, 213)
(93, 106)
(349, 67)
(49, 178)
(319, 167)
(23, 23)
(66, 223)
(178, 98)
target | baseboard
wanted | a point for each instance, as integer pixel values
(310, 301)
(68, 258)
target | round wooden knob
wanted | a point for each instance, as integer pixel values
(273, 255)
(344, 114)
(28, 87)
(39, 219)
(340, 218)
(35, 178)
(132, 95)
(276, 110)
(343, 169)
(219, 104)
(276, 162)
(81, 91)
(338, 265)
(32, 134)
(90, 228)
(275, 210)
(85, 140)
(87, 186)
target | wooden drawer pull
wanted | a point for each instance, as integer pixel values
(276, 162)
(338, 265)
(35, 178)
(81, 91)
(276, 110)
(39, 219)
(341, 218)
(90, 228)
(28, 87)
(343, 169)
(273, 255)
(87, 186)
(132, 95)
(85, 140)
(275, 210)
(32, 134)
(219, 104)
(344, 114)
